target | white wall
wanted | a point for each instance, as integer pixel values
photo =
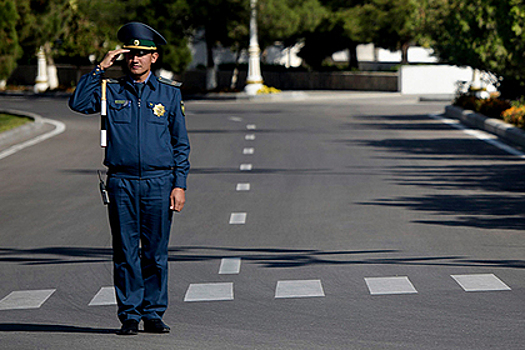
(369, 53)
(432, 79)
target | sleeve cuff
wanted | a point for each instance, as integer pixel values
(97, 71)
(179, 183)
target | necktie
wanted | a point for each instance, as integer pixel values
(139, 87)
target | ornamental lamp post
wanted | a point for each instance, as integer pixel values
(254, 81)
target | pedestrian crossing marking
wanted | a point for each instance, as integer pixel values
(390, 285)
(480, 283)
(246, 167)
(230, 266)
(243, 187)
(34, 299)
(25, 299)
(238, 218)
(209, 292)
(105, 296)
(299, 289)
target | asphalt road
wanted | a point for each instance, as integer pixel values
(367, 225)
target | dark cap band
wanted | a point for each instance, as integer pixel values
(140, 44)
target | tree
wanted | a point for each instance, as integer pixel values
(339, 29)
(74, 31)
(287, 20)
(10, 49)
(488, 35)
(391, 24)
(218, 18)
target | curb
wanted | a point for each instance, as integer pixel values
(25, 130)
(491, 125)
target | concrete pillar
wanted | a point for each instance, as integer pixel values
(41, 82)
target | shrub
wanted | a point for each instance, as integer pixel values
(491, 107)
(515, 115)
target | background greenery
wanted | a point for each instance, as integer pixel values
(485, 34)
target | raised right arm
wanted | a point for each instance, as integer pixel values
(86, 98)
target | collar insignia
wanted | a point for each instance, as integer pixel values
(159, 110)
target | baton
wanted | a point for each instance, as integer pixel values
(103, 115)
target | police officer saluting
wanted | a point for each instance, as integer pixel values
(147, 159)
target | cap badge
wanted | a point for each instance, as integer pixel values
(159, 110)
(136, 42)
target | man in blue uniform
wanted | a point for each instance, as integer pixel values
(147, 158)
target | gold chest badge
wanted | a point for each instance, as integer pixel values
(159, 110)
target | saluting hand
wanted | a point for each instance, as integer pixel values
(111, 57)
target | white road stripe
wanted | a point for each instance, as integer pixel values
(480, 283)
(25, 299)
(235, 119)
(251, 127)
(105, 296)
(238, 218)
(209, 292)
(249, 137)
(480, 135)
(389, 285)
(246, 167)
(230, 266)
(299, 289)
(248, 150)
(59, 128)
(243, 187)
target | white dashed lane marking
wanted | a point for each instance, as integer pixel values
(389, 285)
(249, 137)
(209, 292)
(230, 266)
(480, 283)
(299, 289)
(243, 187)
(246, 167)
(238, 218)
(248, 150)
(105, 296)
(251, 127)
(26, 299)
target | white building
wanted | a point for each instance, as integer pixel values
(286, 56)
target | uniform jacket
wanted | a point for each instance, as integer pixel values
(146, 135)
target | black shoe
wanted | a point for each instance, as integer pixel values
(129, 327)
(156, 326)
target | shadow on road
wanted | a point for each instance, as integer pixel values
(263, 257)
(45, 328)
(480, 185)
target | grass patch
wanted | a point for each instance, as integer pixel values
(8, 122)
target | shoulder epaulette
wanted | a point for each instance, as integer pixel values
(169, 82)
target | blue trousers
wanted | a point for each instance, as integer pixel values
(140, 220)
